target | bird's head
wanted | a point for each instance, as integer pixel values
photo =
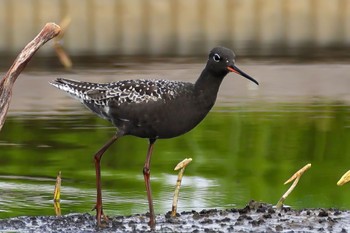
(221, 61)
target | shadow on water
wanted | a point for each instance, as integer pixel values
(239, 153)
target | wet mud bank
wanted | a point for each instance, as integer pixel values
(255, 217)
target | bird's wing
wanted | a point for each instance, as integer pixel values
(134, 91)
(126, 91)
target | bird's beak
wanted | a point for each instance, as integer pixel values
(233, 68)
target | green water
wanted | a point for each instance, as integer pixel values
(239, 153)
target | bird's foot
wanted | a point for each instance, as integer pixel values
(99, 214)
(152, 223)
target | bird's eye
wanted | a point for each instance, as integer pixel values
(216, 57)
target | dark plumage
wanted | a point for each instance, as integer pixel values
(152, 108)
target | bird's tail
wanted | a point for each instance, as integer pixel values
(76, 89)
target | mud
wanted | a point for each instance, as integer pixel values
(255, 217)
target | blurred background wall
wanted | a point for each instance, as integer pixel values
(182, 27)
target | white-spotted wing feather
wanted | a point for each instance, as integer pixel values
(127, 91)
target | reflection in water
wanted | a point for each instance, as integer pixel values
(239, 153)
(245, 149)
(192, 186)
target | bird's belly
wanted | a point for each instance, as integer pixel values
(175, 129)
(167, 126)
(159, 119)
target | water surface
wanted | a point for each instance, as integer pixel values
(254, 139)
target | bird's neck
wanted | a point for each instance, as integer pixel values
(207, 87)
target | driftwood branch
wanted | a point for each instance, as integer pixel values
(49, 31)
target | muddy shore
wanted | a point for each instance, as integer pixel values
(255, 217)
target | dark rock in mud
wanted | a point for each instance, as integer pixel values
(255, 217)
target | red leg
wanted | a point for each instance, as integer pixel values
(146, 176)
(98, 156)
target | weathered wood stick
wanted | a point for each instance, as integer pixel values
(57, 190)
(344, 179)
(296, 178)
(182, 165)
(49, 31)
(57, 195)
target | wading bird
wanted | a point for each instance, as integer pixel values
(153, 109)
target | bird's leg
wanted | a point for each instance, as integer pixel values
(146, 176)
(97, 157)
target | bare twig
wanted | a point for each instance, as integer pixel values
(57, 195)
(182, 165)
(57, 191)
(57, 207)
(344, 179)
(296, 178)
(62, 55)
(49, 31)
